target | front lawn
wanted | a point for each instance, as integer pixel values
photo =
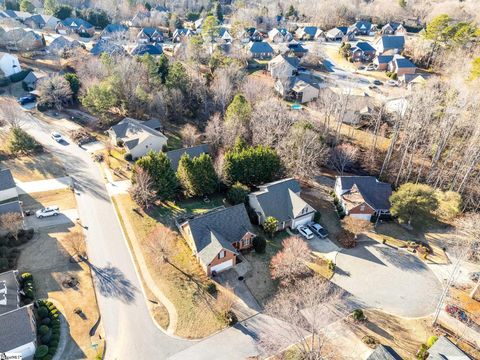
(63, 198)
(35, 167)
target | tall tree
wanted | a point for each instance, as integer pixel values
(290, 262)
(27, 6)
(158, 165)
(239, 110)
(74, 83)
(177, 77)
(197, 176)
(210, 28)
(142, 191)
(219, 12)
(55, 92)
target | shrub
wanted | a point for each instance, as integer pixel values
(29, 293)
(358, 315)
(47, 357)
(346, 239)
(55, 322)
(331, 265)
(3, 251)
(211, 288)
(43, 329)
(237, 193)
(128, 157)
(46, 321)
(46, 338)
(55, 337)
(422, 353)
(259, 244)
(53, 343)
(41, 351)
(431, 340)
(42, 312)
(26, 277)
(52, 351)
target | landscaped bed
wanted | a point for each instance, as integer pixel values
(48, 329)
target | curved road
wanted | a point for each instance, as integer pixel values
(129, 328)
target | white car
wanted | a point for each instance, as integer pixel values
(47, 212)
(305, 232)
(392, 83)
(57, 137)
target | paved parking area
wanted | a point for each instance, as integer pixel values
(66, 219)
(387, 278)
(324, 247)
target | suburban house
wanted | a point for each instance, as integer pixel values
(363, 28)
(300, 88)
(116, 31)
(445, 349)
(180, 34)
(335, 34)
(224, 35)
(194, 151)
(362, 197)
(38, 21)
(13, 206)
(75, 26)
(9, 64)
(279, 35)
(383, 352)
(401, 66)
(260, 50)
(61, 45)
(8, 188)
(138, 137)
(390, 44)
(283, 67)
(362, 51)
(17, 322)
(150, 49)
(197, 24)
(296, 49)
(30, 81)
(251, 34)
(413, 80)
(382, 61)
(281, 200)
(308, 33)
(108, 47)
(139, 18)
(149, 35)
(393, 28)
(217, 237)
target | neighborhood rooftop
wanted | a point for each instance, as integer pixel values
(20, 326)
(6, 180)
(194, 151)
(374, 192)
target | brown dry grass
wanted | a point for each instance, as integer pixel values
(64, 198)
(320, 266)
(36, 167)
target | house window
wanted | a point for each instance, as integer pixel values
(222, 254)
(362, 208)
(246, 242)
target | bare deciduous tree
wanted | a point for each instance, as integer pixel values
(76, 243)
(142, 191)
(55, 92)
(10, 113)
(11, 223)
(190, 135)
(343, 156)
(290, 262)
(214, 131)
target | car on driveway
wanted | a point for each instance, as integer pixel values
(26, 99)
(47, 212)
(57, 137)
(377, 82)
(318, 229)
(371, 67)
(305, 232)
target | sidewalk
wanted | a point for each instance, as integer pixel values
(43, 185)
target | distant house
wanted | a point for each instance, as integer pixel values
(180, 34)
(8, 188)
(224, 35)
(308, 33)
(362, 197)
(383, 352)
(38, 21)
(412, 81)
(279, 35)
(281, 200)
(30, 81)
(61, 45)
(300, 88)
(108, 47)
(75, 26)
(363, 28)
(260, 50)
(194, 151)
(150, 35)
(297, 49)
(393, 28)
(17, 15)
(382, 61)
(137, 137)
(401, 66)
(362, 51)
(139, 19)
(250, 34)
(142, 49)
(334, 34)
(19, 39)
(444, 349)
(283, 67)
(197, 24)
(114, 31)
(390, 44)
(18, 323)
(217, 237)
(9, 64)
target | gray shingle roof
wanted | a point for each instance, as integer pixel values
(108, 47)
(147, 49)
(375, 193)
(6, 180)
(384, 59)
(364, 46)
(384, 353)
(259, 47)
(122, 127)
(76, 23)
(8, 281)
(403, 62)
(21, 329)
(310, 30)
(113, 28)
(11, 207)
(280, 200)
(444, 349)
(194, 151)
(391, 42)
(219, 229)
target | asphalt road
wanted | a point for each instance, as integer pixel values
(130, 331)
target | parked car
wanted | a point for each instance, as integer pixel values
(371, 67)
(377, 82)
(456, 312)
(57, 137)
(47, 212)
(474, 276)
(392, 83)
(305, 232)
(26, 99)
(318, 229)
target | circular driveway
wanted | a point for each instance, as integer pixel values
(386, 278)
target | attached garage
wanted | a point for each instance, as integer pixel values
(302, 220)
(366, 217)
(222, 266)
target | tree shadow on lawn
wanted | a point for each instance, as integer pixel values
(111, 282)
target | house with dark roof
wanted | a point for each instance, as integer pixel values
(283, 67)
(224, 35)
(8, 188)
(300, 88)
(142, 49)
(180, 34)
(401, 65)
(62, 45)
(363, 28)
(30, 81)
(383, 352)
(217, 237)
(362, 197)
(108, 47)
(281, 200)
(279, 35)
(192, 152)
(250, 34)
(40, 21)
(340, 33)
(75, 26)
(259, 50)
(138, 137)
(308, 33)
(296, 49)
(17, 322)
(13, 206)
(382, 61)
(362, 51)
(393, 28)
(149, 35)
(444, 349)
(116, 31)
(390, 44)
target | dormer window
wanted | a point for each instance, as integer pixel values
(222, 254)
(362, 208)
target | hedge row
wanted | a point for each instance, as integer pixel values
(48, 322)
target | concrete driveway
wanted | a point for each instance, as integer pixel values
(387, 278)
(66, 218)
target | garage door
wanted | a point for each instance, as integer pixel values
(361, 216)
(302, 221)
(223, 266)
